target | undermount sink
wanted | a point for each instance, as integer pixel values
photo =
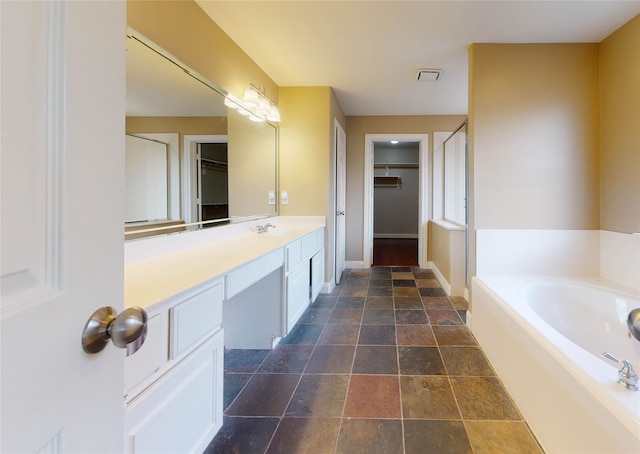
(276, 232)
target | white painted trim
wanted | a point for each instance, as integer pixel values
(423, 209)
(443, 282)
(189, 190)
(328, 287)
(355, 265)
(438, 173)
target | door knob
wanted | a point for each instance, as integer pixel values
(340, 213)
(126, 330)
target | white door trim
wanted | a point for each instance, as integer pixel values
(189, 182)
(423, 214)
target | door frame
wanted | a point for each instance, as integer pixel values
(188, 171)
(423, 197)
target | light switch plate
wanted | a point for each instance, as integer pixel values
(285, 198)
(272, 197)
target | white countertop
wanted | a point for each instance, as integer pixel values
(152, 279)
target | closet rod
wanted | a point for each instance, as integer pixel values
(396, 166)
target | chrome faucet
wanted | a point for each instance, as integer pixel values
(633, 323)
(627, 377)
(264, 228)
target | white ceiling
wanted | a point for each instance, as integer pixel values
(370, 51)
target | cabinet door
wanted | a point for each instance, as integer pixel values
(182, 411)
(297, 294)
(317, 274)
(195, 318)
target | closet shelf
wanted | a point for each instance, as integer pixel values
(396, 165)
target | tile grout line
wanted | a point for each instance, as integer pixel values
(404, 448)
(344, 404)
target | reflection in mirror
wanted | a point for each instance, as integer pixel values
(218, 166)
(146, 180)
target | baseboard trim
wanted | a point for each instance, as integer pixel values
(328, 287)
(445, 285)
(356, 265)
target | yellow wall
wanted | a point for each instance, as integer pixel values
(535, 136)
(357, 127)
(305, 149)
(252, 166)
(181, 125)
(306, 158)
(184, 30)
(440, 249)
(620, 129)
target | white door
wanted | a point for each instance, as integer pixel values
(62, 145)
(341, 182)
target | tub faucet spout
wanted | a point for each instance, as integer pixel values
(633, 323)
(627, 377)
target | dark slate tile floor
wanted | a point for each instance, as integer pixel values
(384, 364)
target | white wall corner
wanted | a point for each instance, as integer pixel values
(620, 258)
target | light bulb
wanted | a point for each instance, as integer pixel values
(251, 99)
(274, 114)
(230, 103)
(263, 107)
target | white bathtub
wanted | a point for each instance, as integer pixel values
(545, 337)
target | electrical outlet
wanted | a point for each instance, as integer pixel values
(285, 198)
(272, 197)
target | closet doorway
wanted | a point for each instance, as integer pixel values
(396, 195)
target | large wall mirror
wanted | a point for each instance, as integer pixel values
(191, 160)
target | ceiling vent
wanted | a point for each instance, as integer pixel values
(428, 75)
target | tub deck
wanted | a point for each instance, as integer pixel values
(570, 398)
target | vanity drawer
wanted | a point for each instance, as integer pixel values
(247, 275)
(195, 318)
(311, 244)
(303, 249)
(150, 359)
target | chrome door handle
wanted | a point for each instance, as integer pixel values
(127, 330)
(340, 213)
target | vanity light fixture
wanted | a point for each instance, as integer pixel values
(251, 98)
(231, 103)
(259, 105)
(274, 114)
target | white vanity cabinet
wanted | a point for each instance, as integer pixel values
(254, 286)
(173, 395)
(304, 275)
